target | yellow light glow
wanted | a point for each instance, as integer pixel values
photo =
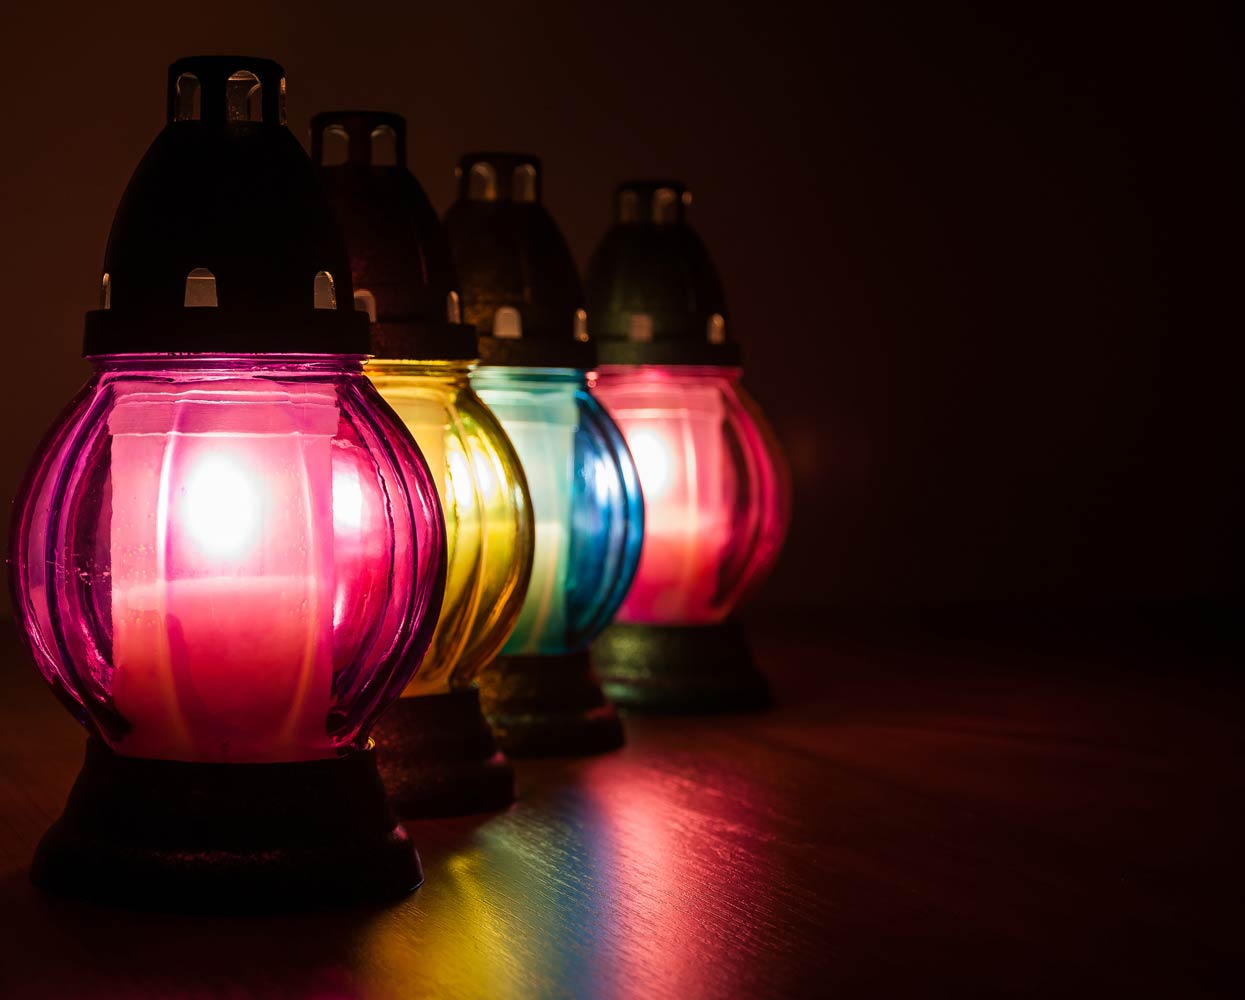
(487, 511)
(460, 469)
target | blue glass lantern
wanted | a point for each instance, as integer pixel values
(521, 291)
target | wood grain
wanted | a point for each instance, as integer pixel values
(918, 817)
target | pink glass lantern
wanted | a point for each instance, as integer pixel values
(228, 556)
(715, 485)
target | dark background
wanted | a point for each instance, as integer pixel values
(985, 263)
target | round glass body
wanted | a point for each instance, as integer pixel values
(488, 515)
(715, 487)
(585, 497)
(228, 558)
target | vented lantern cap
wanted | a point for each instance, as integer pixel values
(223, 242)
(401, 266)
(519, 285)
(653, 293)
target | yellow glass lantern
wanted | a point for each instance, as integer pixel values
(437, 754)
(488, 515)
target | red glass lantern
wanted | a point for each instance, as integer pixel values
(229, 556)
(715, 485)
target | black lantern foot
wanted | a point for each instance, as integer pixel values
(225, 837)
(683, 669)
(438, 758)
(548, 706)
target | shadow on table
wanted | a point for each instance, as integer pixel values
(64, 947)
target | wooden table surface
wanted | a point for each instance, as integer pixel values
(919, 817)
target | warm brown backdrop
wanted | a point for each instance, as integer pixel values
(981, 262)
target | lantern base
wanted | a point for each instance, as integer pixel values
(185, 835)
(548, 706)
(438, 758)
(680, 669)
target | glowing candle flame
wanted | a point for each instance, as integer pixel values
(221, 507)
(652, 458)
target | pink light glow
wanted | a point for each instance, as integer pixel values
(241, 568)
(715, 492)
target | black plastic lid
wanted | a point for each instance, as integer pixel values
(653, 292)
(399, 256)
(224, 241)
(519, 285)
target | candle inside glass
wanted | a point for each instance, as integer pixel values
(585, 502)
(540, 417)
(486, 509)
(715, 507)
(677, 443)
(222, 571)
